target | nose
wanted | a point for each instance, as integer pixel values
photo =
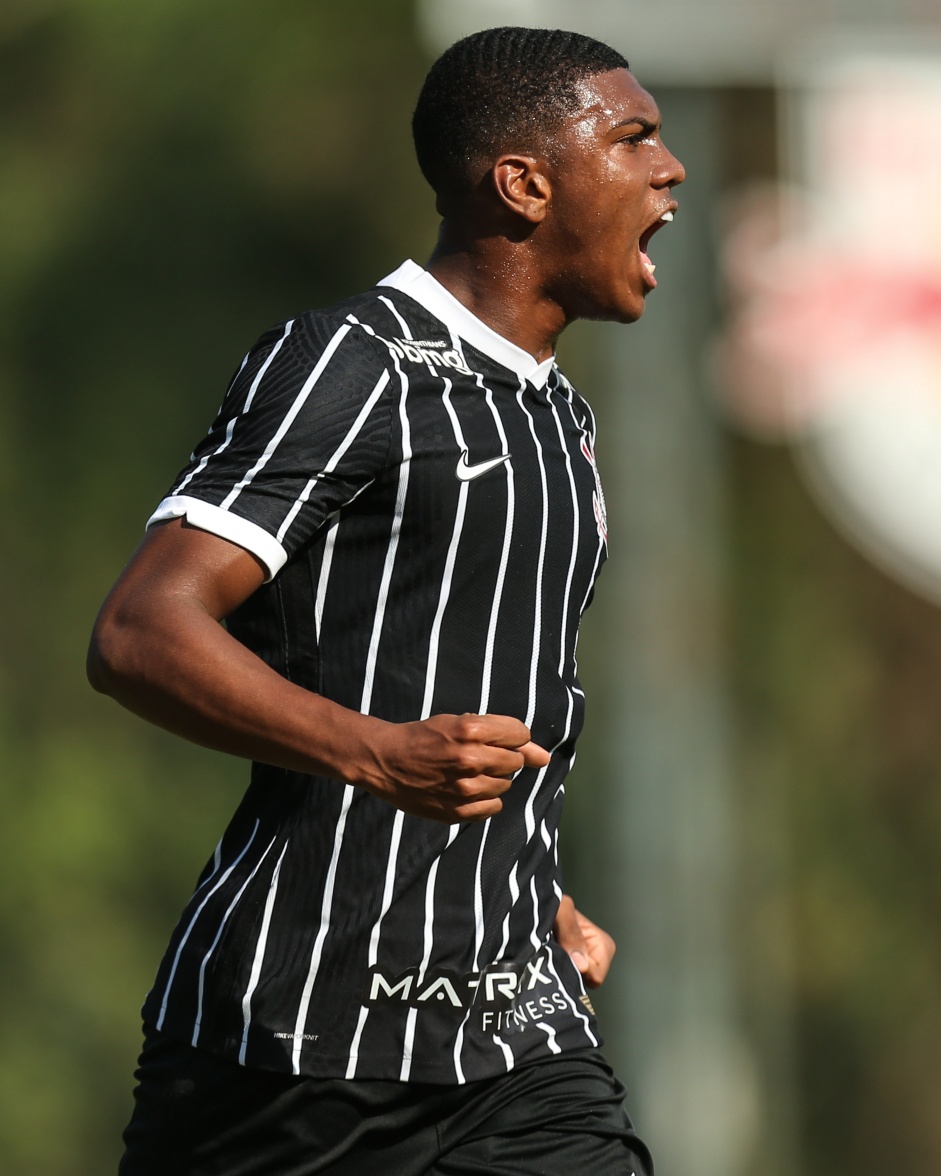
(669, 171)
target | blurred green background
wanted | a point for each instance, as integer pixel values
(178, 176)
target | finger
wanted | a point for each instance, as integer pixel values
(505, 731)
(491, 761)
(500, 731)
(453, 810)
(533, 755)
(569, 935)
(480, 810)
(472, 788)
(601, 949)
(596, 974)
(499, 761)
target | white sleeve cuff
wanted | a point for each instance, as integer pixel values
(226, 525)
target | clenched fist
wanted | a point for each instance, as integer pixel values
(450, 767)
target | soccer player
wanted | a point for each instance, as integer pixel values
(368, 580)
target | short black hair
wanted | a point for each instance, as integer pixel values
(504, 89)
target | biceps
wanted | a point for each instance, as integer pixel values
(178, 568)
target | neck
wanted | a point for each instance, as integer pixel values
(496, 280)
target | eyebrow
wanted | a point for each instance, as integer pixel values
(638, 120)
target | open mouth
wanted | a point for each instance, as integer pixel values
(644, 243)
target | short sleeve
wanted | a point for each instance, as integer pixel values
(304, 427)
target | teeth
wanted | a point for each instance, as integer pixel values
(649, 267)
(667, 216)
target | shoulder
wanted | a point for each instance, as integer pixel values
(333, 332)
(361, 329)
(323, 357)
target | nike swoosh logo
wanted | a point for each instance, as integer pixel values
(467, 472)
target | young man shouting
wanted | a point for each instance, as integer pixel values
(398, 515)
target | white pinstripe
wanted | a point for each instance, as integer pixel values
(406, 331)
(324, 577)
(508, 1054)
(299, 401)
(200, 988)
(571, 572)
(317, 953)
(514, 899)
(486, 682)
(392, 859)
(373, 953)
(260, 944)
(336, 457)
(429, 936)
(537, 617)
(430, 675)
(230, 428)
(550, 1033)
(565, 992)
(192, 923)
(504, 555)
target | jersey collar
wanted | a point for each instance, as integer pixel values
(418, 284)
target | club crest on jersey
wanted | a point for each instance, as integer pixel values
(597, 498)
(428, 352)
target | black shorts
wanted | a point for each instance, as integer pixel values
(199, 1115)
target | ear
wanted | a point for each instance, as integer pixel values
(522, 184)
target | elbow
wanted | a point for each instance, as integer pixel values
(109, 661)
(97, 669)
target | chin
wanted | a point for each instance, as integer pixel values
(615, 314)
(629, 305)
(629, 310)
(612, 305)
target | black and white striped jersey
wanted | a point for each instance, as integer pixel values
(425, 498)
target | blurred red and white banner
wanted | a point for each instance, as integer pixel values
(835, 288)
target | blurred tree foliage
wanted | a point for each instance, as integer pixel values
(837, 682)
(176, 177)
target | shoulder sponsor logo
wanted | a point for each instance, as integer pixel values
(428, 352)
(466, 472)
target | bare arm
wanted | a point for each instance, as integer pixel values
(159, 649)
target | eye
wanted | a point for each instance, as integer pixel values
(642, 138)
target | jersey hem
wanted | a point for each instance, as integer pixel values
(385, 1068)
(226, 525)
